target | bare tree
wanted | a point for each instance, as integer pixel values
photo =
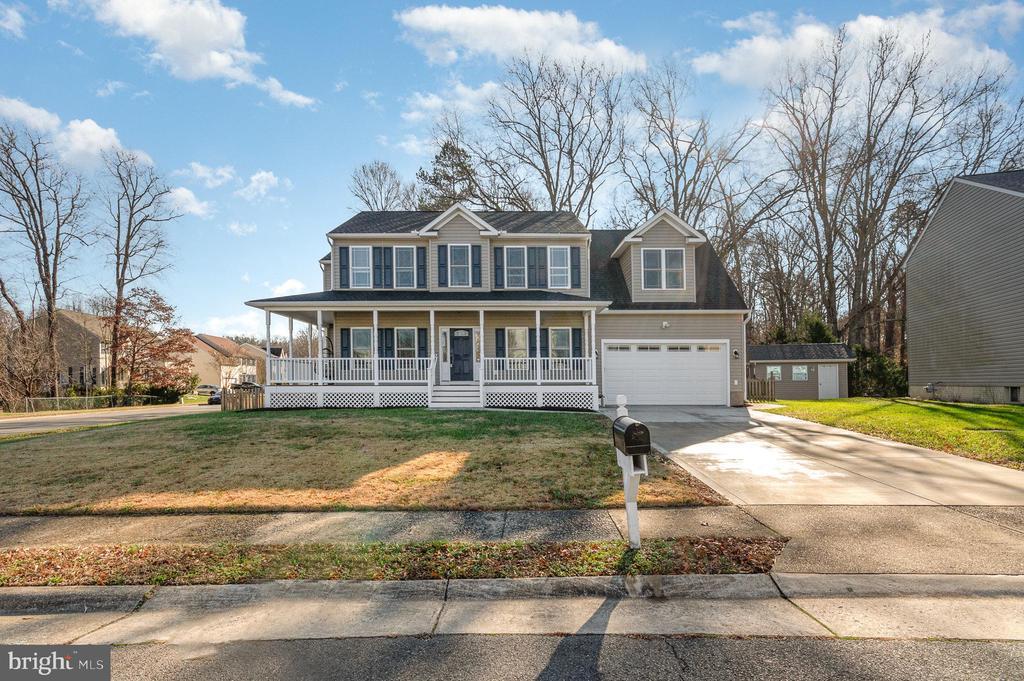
(137, 208)
(41, 205)
(378, 186)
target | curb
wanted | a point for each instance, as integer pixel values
(61, 600)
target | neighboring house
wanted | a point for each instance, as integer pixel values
(514, 309)
(803, 371)
(221, 361)
(83, 348)
(965, 293)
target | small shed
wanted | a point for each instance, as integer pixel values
(802, 371)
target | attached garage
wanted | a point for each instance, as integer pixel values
(668, 372)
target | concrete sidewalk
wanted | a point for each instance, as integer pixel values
(907, 606)
(360, 526)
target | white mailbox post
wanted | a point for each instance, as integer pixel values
(632, 445)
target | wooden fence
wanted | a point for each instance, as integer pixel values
(760, 390)
(241, 400)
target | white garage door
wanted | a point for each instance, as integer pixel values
(666, 372)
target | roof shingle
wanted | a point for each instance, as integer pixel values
(811, 352)
(401, 221)
(1011, 179)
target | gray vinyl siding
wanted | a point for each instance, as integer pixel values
(611, 325)
(661, 235)
(328, 279)
(788, 389)
(965, 298)
(459, 230)
(584, 261)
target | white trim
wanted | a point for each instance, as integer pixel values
(568, 267)
(663, 268)
(446, 367)
(454, 305)
(469, 265)
(801, 361)
(352, 269)
(692, 236)
(351, 345)
(556, 328)
(664, 312)
(415, 340)
(345, 239)
(982, 185)
(768, 367)
(505, 283)
(394, 268)
(545, 236)
(458, 209)
(525, 329)
(673, 341)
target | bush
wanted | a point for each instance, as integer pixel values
(873, 374)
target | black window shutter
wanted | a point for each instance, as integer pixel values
(477, 278)
(421, 267)
(499, 342)
(533, 342)
(542, 268)
(378, 267)
(386, 342)
(421, 342)
(545, 349)
(442, 265)
(499, 267)
(342, 266)
(389, 276)
(577, 342)
(531, 266)
(574, 266)
(346, 342)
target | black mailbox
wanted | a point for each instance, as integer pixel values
(631, 437)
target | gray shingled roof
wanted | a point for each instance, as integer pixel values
(810, 352)
(400, 221)
(1012, 180)
(421, 295)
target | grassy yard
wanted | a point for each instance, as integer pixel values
(332, 460)
(241, 563)
(992, 433)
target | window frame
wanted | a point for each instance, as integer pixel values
(551, 344)
(352, 341)
(452, 266)
(509, 268)
(807, 373)
(526, 341)
(567, 268)
(415, 342)
(770, 369)
(411, 268)
(662, 269)
(352, 266)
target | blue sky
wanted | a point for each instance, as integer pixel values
(257, 112)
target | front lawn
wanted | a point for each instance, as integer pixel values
(411, 459)
(987, 432)
(241, 563)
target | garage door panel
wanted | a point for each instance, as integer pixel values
(667, 377)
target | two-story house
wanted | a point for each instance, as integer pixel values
(513, 309)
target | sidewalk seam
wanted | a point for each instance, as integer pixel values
(782, 594)
(138, 606)
(440, 611)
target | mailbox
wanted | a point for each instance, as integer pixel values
(631, 437)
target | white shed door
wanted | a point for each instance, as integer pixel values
(666, 372)
(828, 381)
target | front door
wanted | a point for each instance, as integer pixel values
(462, 355)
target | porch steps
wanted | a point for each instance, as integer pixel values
(456, 396)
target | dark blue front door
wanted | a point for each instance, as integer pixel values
(462, 355)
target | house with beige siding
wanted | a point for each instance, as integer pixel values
(465, 308)
(965, 293)
(802, 371)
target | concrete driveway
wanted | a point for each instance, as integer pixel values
(29, 425)
(757, 457)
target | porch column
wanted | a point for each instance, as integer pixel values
(593, 346)
(309, 340)
(536, 360)
(266, 370)
(481, 336)
(291, 334)
(320, 346)
(430, 351)
(373, 344)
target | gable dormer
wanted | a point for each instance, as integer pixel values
(658, 259)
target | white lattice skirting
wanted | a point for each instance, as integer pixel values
(542, 397)
(345, 397)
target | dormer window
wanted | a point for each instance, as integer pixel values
(663, 268)
(360, 268)
(458, 265)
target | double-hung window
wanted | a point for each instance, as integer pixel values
(362, 343)
(405, 267)
(560, 343)
(515, 267)
(663, 268)
(558, 267)
(799, 372)
(517, 342)
(773, 372)
(360, 267)
(458, 265)
(405, 343)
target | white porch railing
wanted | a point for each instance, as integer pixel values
(549, 369)
(404, 369)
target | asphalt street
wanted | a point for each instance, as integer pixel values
(451, 658)
(28, 425)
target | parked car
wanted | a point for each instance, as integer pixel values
(245, 385)
(206, 389)
(214, 398)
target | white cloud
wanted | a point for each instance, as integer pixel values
(21, 112)
(340, 85)
(11, 21)
(758, 60)
(71, 48)
(246, 278)
(410, 144)
(446, 34)
(242, 228)
(457, 97)
(288, 287)
(209, 176)
(193, 39)
(261, 184)
(110, 87)
(247, 323)
(371, 97)
(186, 202)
